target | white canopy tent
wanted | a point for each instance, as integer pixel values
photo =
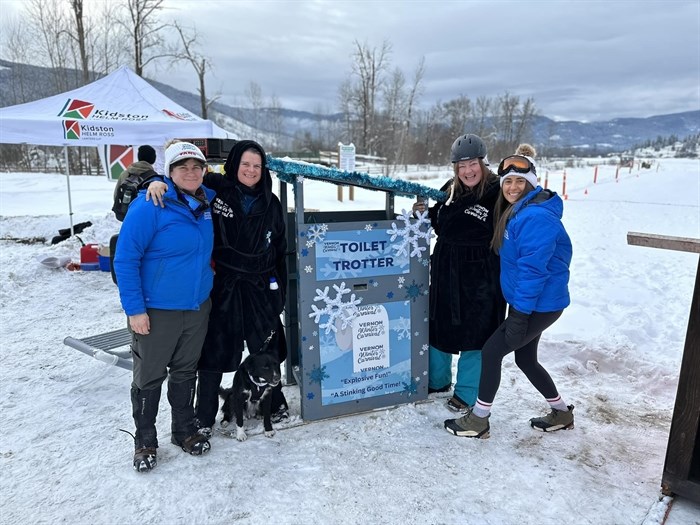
(120, 108)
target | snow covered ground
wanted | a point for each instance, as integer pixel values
(615, 354)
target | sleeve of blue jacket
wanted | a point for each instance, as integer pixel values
(536, 242)
(138, 229)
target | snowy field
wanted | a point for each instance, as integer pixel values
(615, 354)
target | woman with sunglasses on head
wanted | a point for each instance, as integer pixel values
(466, 304)
(535, 253)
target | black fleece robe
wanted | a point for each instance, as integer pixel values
(249, 249)
(466, 303)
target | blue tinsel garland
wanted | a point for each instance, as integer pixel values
(288, 171)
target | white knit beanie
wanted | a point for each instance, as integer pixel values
(179, 151)
(529, 176)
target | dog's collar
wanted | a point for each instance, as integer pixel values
(259, 385)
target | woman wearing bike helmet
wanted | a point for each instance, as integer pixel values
(466, 304)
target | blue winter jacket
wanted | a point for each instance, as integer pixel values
(163, 255)
(535, 255)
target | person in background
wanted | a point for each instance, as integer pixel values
(164, 278)
(250, 281)
(146, 159)
(466, 304)
(535, 253)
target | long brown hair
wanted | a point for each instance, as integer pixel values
(502, 214)
(460, 189)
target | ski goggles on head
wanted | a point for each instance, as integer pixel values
(517, 164)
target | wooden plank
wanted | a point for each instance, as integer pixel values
(666, 242)
(686, 413)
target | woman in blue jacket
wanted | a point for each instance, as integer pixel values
(535, 253)
(164, 276)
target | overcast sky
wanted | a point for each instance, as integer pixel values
(579, 59)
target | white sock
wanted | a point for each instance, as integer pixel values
(481, 408)
(558, 403)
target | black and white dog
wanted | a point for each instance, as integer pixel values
(251, 392)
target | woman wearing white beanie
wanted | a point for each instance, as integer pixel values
(535, 253)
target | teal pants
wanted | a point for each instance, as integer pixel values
(468, 373)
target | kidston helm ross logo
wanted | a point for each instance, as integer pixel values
(81, 110)
(75, 130)
(75, 108)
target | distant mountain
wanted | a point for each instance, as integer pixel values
(25, 82)
(613, 135)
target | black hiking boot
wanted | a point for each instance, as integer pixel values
(145, 459)
(184, 432)
(144, 404)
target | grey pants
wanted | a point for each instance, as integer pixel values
(174, 344)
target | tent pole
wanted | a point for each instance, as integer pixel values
(70, 203)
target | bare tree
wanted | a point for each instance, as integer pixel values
(254, 94)
(413, 95)
(144, 31)
(369, 66)
(17, 47)
(106, 51)
(79, 37)
(48, 29)
(189, 53)
(512, 122)
(276, 120)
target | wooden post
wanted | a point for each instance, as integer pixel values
(595, 175)
(351, 191)
(340, 193)
(683, 453)
(617, 173)
(563, 187)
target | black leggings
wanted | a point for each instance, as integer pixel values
(495, 349)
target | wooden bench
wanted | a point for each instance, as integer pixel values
(112, 348)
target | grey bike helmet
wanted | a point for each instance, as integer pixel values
(467, 147)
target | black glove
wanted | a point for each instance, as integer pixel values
(516, 328)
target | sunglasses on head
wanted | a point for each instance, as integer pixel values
(516, 163)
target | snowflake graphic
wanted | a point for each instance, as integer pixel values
(310, 396)
(311, 347)
(390, 295)
(403, 328)
(326, 340)
(317, 375)
(304, 252)
(315, 333)
(316, 233)
(309, 244)
(413, 291)
(335, 308)
(425, 347)
(300, 179)
(410, 235)
(368, 227)
(401, 280)
(308, 269)
(425, 262)
(268, 237)
(375, 284)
